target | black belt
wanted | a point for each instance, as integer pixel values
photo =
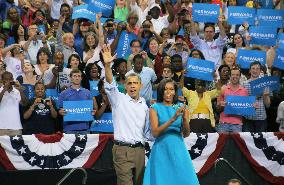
(120, 143)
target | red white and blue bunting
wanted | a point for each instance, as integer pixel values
(57, 151)
(265, 152)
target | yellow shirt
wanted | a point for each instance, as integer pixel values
(193, 101)
(201, 108)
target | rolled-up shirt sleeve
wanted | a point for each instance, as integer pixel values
(220, 42)
(112, 92)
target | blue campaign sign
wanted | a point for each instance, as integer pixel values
(281, 40)
(257, 86)
(263, 35)
(124, 50)
(279, 59)
(102, 6)
(202, 12)
(78, 110)
(53, 94)
(82, 11)
(94, 88)
(246, 57)
(271, 18)
(240, 14)
(29, 91)
(200, 69)
(104, 124)
(240, 105)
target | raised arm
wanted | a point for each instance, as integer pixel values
(108, 58)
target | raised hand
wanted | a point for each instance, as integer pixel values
(106, 51)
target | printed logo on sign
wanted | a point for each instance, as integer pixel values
(200, 69)
(270, 18)
(252, 59)
(125, 45)
(78, 110)
(244, 15)
(239, 105)
(85, 11)
(103, 121)
(264, 84)
(262, 35)
(206, 12)
(99, 4)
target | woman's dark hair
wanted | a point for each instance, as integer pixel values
(243, 44)
(75, 56)
(43, 50)
(38, 10)
(200, 53)
(89, 68)
(86, 47)
(15, 32)
(161, 90)
(116, 63)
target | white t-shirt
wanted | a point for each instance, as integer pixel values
(96, 55)
(55, 8)
(14, 66)
(160, 23)
(47, 76)
(9, 110)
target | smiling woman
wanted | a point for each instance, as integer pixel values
(40, 113)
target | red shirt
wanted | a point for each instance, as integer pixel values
(228, 118)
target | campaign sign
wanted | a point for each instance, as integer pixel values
(82, 11)
(240, 14)
(271, 18)
(102, 6)
(200, 69)
(124, 49)
(257, 86)
(263, 35)
(104, 124)
(94, 88)
(279, 59)
(240, 105)
(281, 40)
(246, 57)
(53, 94)
(202, 12)
(78, 110)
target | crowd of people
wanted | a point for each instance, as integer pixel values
(44, 51)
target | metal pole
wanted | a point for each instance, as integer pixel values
(84, 180)
(232, 167)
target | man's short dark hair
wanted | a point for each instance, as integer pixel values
(255, 63)
(234, 181)
(137, 56)
(135, 40)
(212, 25)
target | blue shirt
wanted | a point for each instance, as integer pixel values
(71, 94)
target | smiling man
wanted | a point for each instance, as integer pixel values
(130, 117)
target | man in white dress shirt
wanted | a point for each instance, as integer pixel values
(130, 116)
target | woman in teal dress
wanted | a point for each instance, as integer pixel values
(169, 162)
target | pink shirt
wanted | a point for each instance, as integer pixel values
(228, 118)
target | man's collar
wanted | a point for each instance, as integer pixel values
(140, 100)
